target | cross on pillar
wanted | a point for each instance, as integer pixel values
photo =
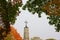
(26, 23)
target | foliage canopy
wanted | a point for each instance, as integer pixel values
(8, 12)
(50, 7)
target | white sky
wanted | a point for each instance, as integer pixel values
(37, 26)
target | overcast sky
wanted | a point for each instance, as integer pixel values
(37, 26)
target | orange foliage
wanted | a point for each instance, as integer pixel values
(49, 9)
(15, 34)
